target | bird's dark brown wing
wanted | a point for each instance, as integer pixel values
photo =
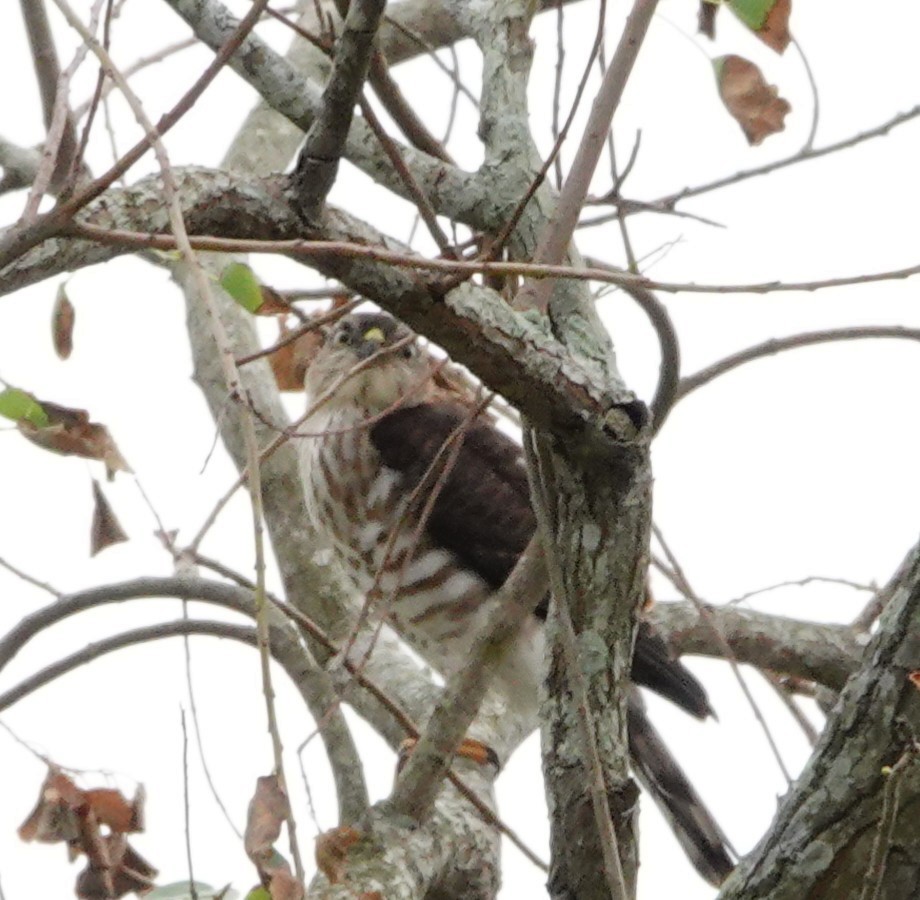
(483, 515)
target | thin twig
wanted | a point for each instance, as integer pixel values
(232, 376)
(554, 241)
(777, 345)
(803, 582)
(666, 391)
(670, 200)
(186, 807)
(33, 581)
(196, 724)
(18, 241)
(815, 99)
(690, 594)
(304, 249)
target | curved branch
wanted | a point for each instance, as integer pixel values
(243, 633)
(778, 345)
(667, 390)
(313, 683)
(827, 654)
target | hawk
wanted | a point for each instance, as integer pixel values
(427, 508)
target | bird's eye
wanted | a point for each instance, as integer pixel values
(408, 351)
(341, 337)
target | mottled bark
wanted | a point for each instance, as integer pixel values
(594, 496)
(850, 828)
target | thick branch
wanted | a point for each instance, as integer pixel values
(827, 654)
(827, 826)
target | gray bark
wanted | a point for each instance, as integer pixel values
(847, 829)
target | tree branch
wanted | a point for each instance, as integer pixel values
(827, 654)
(826, 827)
(318, 164)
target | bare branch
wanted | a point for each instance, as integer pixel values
(827, 654)
(777, 345)
(555, 240)
(48, 73)
(319, 159)
(827, 825)
(669, 201)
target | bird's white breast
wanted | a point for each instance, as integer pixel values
(431, 598)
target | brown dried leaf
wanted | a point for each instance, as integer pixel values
(106, 529)
(113, 809)
(65, 813)
(332, 851)
(267, 812)
(273, 303)
(71, 433)
(290, 362)
(56, 815)
(122, 871)
(915, 678)
(62, 321)
(775, 30)
(754, 104)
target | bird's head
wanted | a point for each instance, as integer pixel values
(373, 359)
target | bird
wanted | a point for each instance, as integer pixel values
(425, 505)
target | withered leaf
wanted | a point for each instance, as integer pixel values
(71, 433)
(915, 678)
(290, 362)
(331, 851)
(65, 813)
(122, 871)
(62, 321)
(754, 104)
(106, 529)
(113, 809)
(267, 812)
(768, 19)
(56, 814)
(273, 303)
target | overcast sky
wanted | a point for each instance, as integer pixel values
(802, 465)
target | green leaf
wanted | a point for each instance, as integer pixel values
(240, 282)
(180, 890)
(752, 12)
(22, 407)
(258, 893)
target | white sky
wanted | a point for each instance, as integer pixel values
(801, 465)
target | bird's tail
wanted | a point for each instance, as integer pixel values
(658, 772)
(654, 666)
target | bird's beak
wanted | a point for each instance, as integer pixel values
(371, 341)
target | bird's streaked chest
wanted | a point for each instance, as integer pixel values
(371, 518)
